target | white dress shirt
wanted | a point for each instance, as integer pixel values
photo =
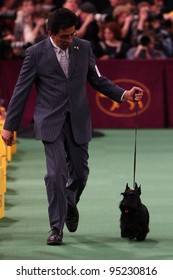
(59, 50)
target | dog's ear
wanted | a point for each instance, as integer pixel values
(127, 187)
(136, 185)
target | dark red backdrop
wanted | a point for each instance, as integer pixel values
(155, 77)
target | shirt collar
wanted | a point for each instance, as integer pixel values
(57, 49)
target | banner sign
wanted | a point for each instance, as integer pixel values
(109, 114)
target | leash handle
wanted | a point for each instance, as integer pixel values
(136, 126)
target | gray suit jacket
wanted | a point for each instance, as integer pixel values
(57, 94)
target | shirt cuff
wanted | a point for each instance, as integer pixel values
(122, 97)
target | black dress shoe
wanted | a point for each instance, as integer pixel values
(55, 237)
(72, 218)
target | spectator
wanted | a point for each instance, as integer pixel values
(47, 6)
(29, 28)
(163, 39)
(130, 4)
(145, 48)
(100, 5)
(72, 5)
(158, 7)
(8, 5)
(27, 7)
(112, 5)
(123, 16)
(111, 46)
(140, 23)
(87, 27)
(150, 19)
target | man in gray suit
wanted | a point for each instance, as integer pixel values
(60, 66)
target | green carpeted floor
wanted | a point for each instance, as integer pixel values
(24, 230)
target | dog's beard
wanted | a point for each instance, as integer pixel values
(126, 209)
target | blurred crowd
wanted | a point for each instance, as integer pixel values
(121, 29)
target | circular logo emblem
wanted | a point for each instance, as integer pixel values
(127, 108)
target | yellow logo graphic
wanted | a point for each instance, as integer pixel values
(127, 108)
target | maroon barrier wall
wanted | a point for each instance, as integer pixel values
(9, 71)
(155, 77)
(146, 74)
(168, 92)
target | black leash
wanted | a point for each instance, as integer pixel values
(136, 127)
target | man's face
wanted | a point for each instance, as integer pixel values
(64, 37)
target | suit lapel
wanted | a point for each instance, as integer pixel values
(52, 57)
(74, 49)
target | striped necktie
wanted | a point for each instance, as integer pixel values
(64, 61)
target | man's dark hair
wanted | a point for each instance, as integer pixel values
(61, 18)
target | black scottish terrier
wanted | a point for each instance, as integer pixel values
(134, 220)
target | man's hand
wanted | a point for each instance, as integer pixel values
(7, 137)
(135, 94)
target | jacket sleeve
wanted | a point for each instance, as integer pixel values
(101, 83)
(21, 92)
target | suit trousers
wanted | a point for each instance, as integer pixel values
(67, 173)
